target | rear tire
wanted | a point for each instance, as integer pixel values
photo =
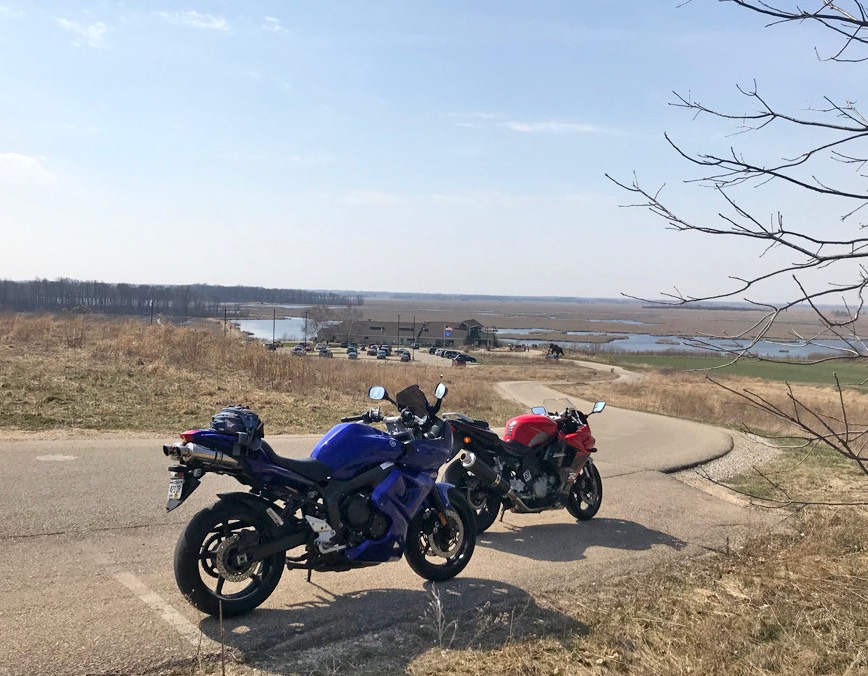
(586, 494)
(205, 560)
(484, 504)
(437, 552)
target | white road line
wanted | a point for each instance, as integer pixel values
(150, 598)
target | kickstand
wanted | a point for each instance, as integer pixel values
(309, 572)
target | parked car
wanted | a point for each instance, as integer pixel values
(438, 352)
(387, 349)
(405, 356)
(465, 357)
(298, 350)
(381, 354)
(325, 352)
(372, 351)
(352, 355)
(432, 350)
(344, 344)
(414, 346)
(321, 346)
(450, 354)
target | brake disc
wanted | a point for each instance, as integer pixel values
(231, 557)
(445, 540)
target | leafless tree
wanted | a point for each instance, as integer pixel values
(825, 269)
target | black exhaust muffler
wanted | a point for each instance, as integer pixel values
(493, 481)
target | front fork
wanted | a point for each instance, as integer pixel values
(440, 498)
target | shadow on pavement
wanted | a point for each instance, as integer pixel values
(391, 624)
(568, 542)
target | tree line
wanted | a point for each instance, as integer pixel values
(196, 300)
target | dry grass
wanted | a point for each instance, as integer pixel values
(94, 373)
(792, 603)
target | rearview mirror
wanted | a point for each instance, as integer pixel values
(377, 392)
(599, 406)
(440, 391)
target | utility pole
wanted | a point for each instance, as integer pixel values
(273, 326)
(398, 331)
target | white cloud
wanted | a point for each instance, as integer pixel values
(554, 127)
(370, 197)
(272, 25)
(24, 170)
(92, 35)
(194, 19)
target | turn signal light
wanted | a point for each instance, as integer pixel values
(466, 440)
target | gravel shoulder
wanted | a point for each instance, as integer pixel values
(748, 451)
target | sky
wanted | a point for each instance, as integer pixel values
(426, 146)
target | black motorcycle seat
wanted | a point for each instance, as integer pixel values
(310, 468)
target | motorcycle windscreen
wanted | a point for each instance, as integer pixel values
(414, 399)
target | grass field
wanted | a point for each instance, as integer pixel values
(851, 373)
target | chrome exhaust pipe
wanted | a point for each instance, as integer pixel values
(191, 451)
(494, 482)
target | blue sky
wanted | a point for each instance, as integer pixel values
(412, 146)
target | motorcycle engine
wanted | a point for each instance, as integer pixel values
(363, 520)
(530, 485)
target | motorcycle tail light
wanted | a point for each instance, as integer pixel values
(467, 440)
(187, 436)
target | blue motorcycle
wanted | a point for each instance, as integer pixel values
(364, 496)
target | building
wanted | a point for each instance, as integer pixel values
(425, 333)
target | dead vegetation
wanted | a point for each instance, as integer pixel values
(84, 372)
(790, 603)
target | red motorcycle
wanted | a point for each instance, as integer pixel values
(543, 462)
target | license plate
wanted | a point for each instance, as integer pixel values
(176, 487)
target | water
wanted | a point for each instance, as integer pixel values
(286, 329)
(293, 329)
(646, 343)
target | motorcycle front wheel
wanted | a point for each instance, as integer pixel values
(438, 551)
(210, 566)
(586, 494)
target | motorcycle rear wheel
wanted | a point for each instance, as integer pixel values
(437, 552)
(586, 494)
(485, 505)
(206, 567)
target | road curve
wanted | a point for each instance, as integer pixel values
(636, 439)
(89, 589)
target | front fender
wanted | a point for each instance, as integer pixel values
(440, 494)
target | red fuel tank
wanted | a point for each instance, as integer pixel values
(530, 430)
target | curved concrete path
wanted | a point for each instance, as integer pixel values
(635, 439)
(89, 589)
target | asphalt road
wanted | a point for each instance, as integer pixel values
(87, 584)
